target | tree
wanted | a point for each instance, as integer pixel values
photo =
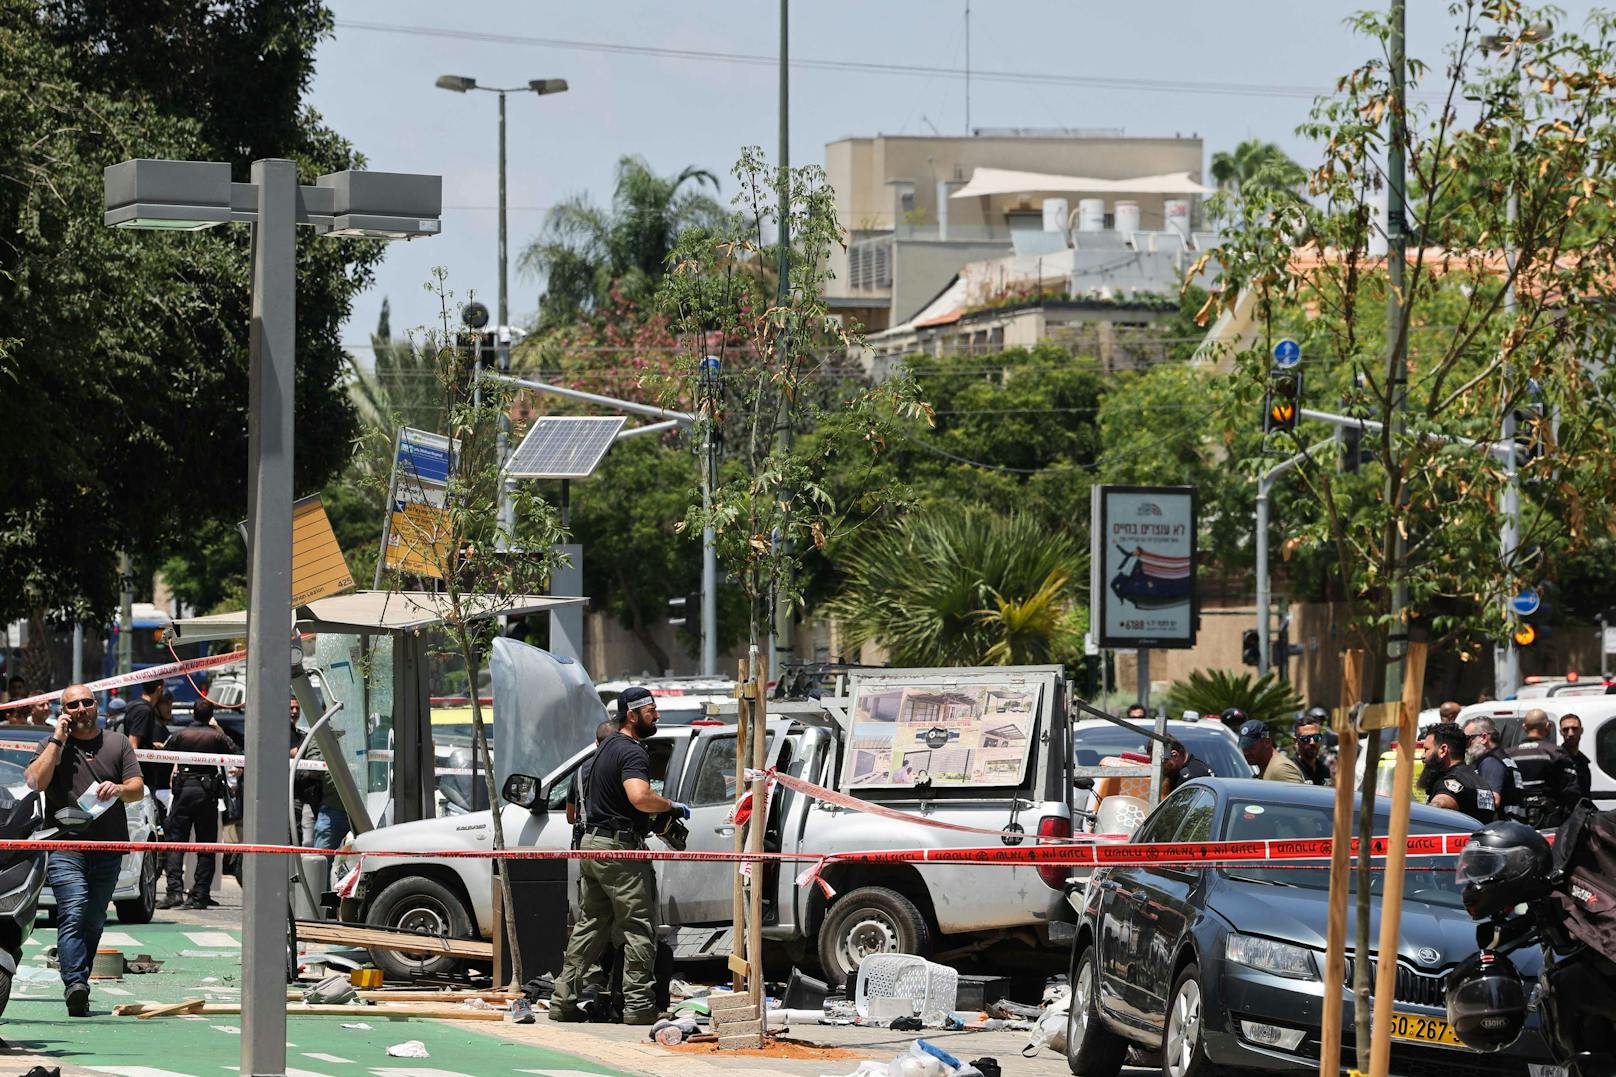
(123, 356)
(479, 566)
(1211, 692)
(1255, 164)
(584, 252)
(956, 586)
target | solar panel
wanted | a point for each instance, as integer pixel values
(564, 447)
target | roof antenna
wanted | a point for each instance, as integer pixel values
(967, 68)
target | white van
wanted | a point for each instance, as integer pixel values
(1598, 714)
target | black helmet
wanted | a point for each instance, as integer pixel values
(1234, 718)
(1318, 715)
(1486, 1001)
(1502, 865)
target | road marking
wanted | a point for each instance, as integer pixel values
(207, 939)
(318, 1057)
(563, 1073)
(423, 1072)
(138, 1071)
(231, 1029)
(292, 1072)
(120, 992)
(118, 938)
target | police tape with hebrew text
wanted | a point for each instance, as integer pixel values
(139, 676)
(215, 759)
(831, 796)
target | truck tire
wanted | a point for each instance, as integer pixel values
(425, 906)
(870, 920)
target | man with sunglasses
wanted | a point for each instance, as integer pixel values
(83, 765)
(1310, 758)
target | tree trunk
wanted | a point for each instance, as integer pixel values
(1361, 980)
(486, 761)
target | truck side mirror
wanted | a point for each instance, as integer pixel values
(521, 790)
(1086, 784)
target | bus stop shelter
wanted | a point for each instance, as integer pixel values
(371, 654)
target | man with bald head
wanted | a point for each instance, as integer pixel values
(1449, 711)
(84, 766)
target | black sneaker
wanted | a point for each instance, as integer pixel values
(78, 1000)
(171, 901)
(566, 1013)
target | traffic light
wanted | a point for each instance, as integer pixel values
(684, 609)
(1249, 648)
(1282, 405)
(470, 350)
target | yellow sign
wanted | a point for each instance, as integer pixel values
(1525, 636)
(1380, 716)
(318, 569)
(418, 539)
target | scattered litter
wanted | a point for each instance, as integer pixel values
(692, 1007)
(231, 1029)
(334, 990)
(543, 986)
(682, 989)
(1012, 1011)
(906, 1024)
(479, 1004)
(670, 1033)
(987, 1066)
(142, 964)
(41, 1071)
(50, 957)
(359, 1025)
(521, 1012)
(210, 979)
(1050, 1031)
(407, 1049)
(35, 974)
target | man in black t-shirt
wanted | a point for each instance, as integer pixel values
(79, 764)
(144, 726)
(1449, 783)
(618, 895)
(195, 806)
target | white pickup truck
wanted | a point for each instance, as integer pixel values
(903, 738)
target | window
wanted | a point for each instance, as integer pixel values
(1198, 818)
(1167, 818)
(661, 751)
(1605, 746)
(715, 773)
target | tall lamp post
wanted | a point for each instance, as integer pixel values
(188, 196)
(502, 339)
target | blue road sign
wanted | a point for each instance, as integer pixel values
(1287, 353)
(1526, 603)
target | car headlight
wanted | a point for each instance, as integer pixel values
(1266, 955)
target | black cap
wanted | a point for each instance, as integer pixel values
(632, 699)
(1252, 732)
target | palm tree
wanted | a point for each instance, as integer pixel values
(584, 251)
(950, 587)
(1257, 164)
(400, 386)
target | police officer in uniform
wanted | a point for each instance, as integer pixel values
(1179, 766)
(1549, 787)
(1494, 766)
(618, 894)
(1450, 784)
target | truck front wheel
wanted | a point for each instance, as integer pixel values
(870, 920)
(426, 907)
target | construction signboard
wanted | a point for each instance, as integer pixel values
(1142, 582)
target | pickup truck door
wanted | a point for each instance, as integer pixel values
(692, 892)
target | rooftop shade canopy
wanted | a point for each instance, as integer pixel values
(989, 181)
(371, 611)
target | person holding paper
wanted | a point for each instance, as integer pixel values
(84, 766)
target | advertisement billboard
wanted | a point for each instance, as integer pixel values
(416, 532)
(1142, 582)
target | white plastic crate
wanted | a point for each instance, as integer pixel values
(931, 989)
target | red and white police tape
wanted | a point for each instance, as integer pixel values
(139, 676)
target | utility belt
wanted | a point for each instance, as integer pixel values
(626, 837)
(208, 778)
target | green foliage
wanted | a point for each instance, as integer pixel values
(585, 253)
(123, 355)
(1257, 165)
(962, 586)
(1423, 516)
(1215, 691)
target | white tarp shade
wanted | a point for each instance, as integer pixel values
(371, 611)
(989, 181)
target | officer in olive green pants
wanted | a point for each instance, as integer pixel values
(618, 893)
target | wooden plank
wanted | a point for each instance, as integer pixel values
(1391, 900)
(440, 1013)
(190, 1005)
(1335, 946)
(403, 995)
(737, 963)
(375, 938)
(737, 939)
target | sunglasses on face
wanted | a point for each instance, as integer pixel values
(1310, 738)
(77, 704)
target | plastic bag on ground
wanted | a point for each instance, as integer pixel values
(1050, 1029)
(408, 1049)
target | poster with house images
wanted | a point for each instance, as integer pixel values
(976, 734)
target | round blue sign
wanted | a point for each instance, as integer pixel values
(1526, 603)
(1287, 353)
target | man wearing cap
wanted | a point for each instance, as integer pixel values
(614, 893)
(1272, 765)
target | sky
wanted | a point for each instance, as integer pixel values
(1148, 67)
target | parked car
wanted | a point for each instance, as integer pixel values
(1219, 967)
(135, 899)
(906, 908)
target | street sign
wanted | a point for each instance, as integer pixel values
(1287, 353)
(1526, 603)
(416, 532)
(1610, 639)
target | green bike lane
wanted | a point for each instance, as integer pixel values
(203, 960)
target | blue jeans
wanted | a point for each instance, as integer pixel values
(82, 884)
(330, 826)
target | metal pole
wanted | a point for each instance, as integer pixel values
(78, 652)
(1397, 372)
(502, 348)
(1144, 677)
(1264, 484)
(709, 550)
(1507, 659)
(780, 640)
(126, 614)
(271, 376)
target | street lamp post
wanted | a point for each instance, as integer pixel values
(502, 338)
(191, 196)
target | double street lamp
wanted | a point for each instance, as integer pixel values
(502, 338)
(188, 196)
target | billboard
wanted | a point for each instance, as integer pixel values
(416, 533)
(1142, 582)
(947, 736)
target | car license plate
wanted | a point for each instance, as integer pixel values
(1419, 1029)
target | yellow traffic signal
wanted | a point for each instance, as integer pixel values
(1525, 636)
(1283, 403)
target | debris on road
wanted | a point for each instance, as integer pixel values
(408, 1049)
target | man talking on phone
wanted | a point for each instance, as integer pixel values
(84, 766)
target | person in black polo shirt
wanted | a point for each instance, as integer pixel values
(195, 806)
(617, 894)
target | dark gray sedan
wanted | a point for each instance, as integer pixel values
(1219, 967)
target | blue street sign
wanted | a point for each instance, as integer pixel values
(1287, 353)
(1526, 603)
